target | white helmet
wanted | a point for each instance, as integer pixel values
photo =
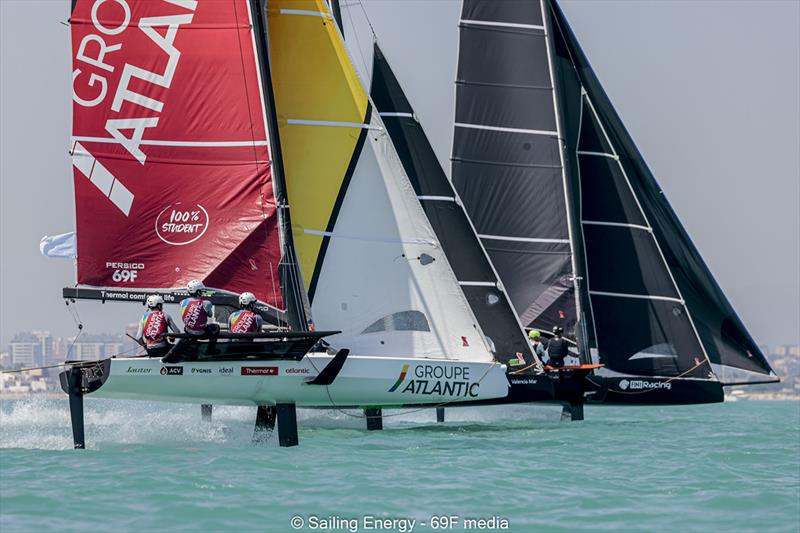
(154, 300)
(194, 286)
(247, 298)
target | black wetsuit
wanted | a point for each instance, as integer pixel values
(557, 350)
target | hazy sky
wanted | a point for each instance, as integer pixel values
(710, 91)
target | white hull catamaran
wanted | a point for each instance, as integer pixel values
(195, 124)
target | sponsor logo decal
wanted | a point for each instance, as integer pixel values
(180, 224)
(225, 370)
(430, 380)
(201, 371)
(639, 384)
(259, 370)
(297, 371)
(171, 370)
(137, 370)
(124, 272)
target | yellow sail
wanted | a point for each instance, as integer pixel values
(322, 110)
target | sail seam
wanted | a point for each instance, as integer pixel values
(505, 85)
(506, 130)
(477, 283)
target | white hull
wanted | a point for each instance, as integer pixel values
(363, 381)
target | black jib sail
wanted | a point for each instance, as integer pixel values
(507, 160)
(456, 235)
(656, 309)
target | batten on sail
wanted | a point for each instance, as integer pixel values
(373, 264)
(170, 150)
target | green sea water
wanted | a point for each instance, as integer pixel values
(157, 467)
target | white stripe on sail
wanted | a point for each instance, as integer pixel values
(304, 12)
(104, 180)
(615, 224)
(477, 283)
(523, 239)
(438, 198)
(154, 142)
(600, 154)
(502, 24)
(352, 237)
(637, 296)
(332, 123)
(397, 114)
(506, 130)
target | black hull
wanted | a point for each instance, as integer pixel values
(655, 391)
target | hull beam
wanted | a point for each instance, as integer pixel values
(440, 414)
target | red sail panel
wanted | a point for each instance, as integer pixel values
(169, 149)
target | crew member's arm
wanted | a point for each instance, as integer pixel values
(140, 331)
(209, 311)
(259, 322)
(171, 325)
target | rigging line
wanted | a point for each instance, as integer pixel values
(78, 322)
(367, 75)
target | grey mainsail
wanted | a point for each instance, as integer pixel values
(507, 163)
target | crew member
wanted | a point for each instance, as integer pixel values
(557, 348)
(245, 320)
(154, 324)
(196, 312)
(197, 315)
(537, 347)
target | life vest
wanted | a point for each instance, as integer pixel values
(194, 315)
(154, 326)
(243, 321)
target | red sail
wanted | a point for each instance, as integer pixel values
(169, 149)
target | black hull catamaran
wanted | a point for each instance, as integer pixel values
(196, 127)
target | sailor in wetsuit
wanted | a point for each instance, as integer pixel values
(154, 324)
(557, 348)
(245, 320)
(197, 315)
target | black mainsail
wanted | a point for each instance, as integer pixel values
(656, 307)
(507, 161)
(444, 210)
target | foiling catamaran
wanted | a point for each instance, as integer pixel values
(234, 142)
